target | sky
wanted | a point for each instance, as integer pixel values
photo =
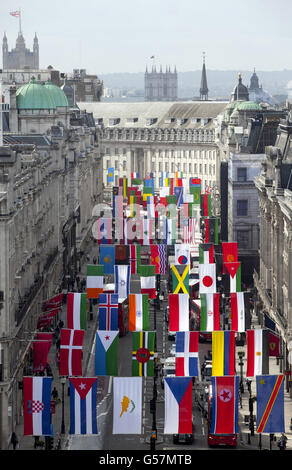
(121, 35)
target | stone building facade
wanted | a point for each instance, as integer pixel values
(49, 184)
(159, 85)
(20, 57)
(273, 279)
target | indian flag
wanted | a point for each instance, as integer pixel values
(138, 312)
(76, 311)
(94, 286)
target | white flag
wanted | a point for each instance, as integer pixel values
(207, 276)
(127, 405)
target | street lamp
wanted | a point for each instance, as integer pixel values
(63, 381)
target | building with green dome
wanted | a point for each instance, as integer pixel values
(35, 108)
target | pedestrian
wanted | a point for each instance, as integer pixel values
(58, 343)
(55, 393)
(282, 442)
(61, 324)
(88, 258)
(57, 360)
(94, 260)
(78, 282)
(14, 440)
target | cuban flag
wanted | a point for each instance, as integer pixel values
(83, 393)
(224, 404)
(108, 312)
(122, 280)
(37, 406)
(186, 353)
(178, 405)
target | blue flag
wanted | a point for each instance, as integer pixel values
(108, 312)
(270, 403)
(107, 258)
(110, 175)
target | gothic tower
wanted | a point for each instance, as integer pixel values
(204, 87)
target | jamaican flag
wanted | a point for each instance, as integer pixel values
(180, 279)
(143, 353)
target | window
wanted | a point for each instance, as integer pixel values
(241, 174)
(243, 239)
(242, 206)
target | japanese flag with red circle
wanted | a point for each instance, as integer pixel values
(207, 277)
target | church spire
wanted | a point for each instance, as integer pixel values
(204, 87)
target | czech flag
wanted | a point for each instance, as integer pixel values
(178, 405)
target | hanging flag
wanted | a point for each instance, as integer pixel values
(224, 405)
(83, 405)
(37, 406)
(41, 350)
(138, 312)
(150, 207)
(229, 252)
(71, 352)
(76, 310)
(190, 231)
(53, 303)
(180, 279)
(118, 206)
(134, 175)
(122, 280)
(169, 231)
(182, 254)
(178, 312)
(46, 320)
(15, 13)
(234, 269)
(163, 181)
(108, 312)
(135, 258)
(122, 254)
(178, 192)
(94, 280)
(106, 352)
(270, 404)
(207, 277)
(178, 405)
(110, 175)
(196, 192)
(147, 230)
(154, 252)
(223, 353)
(143, 353)
(239, 302)
(162, 258)
(123, 183)
(274, 345)
(127, 405)
(148, 281)
(206, 253)
(186, 353)
(257, 342)
(107, 258)
(209, 312)
(130, 231)
(211, 230)
(104, 231)
(206, 205)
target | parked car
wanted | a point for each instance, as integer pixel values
(171, 335)
(206, 371)
(168, 369)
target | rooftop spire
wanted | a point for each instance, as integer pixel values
(204, 87)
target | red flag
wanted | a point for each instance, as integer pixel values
(155, 257)
(53, 303)
(229, 252)
(15, 13)
(71, 352)
(274, 345)
(225, 405)
(40, 355)
(45, 320)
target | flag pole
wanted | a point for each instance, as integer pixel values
(19, 20)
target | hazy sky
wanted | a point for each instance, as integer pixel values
(121, 35)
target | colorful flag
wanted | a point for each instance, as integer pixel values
(182, 254)
(106, 352)
(122, 280)
(104, 231)
(257, 342)
(41, 350)
(234, 269)
(270, 404)
(186, 353)
(146, 230)
(211, 230)
(154, 252)
(15, 13)
(207, 277)
(196, 192)
(94, 280)
(206, 205)
(122, 254)
(110, 175)
(178, 405)
(162, 258)
(163, 179)
(135, 258)
(223, 353)
(108, 312)
(180, 279)
(206, 253)
(127, 405)
(118, 206)
(209, 312)
(143, 353)
(134, 175)
(224, 404)
(274, 345)
(190, 230)
(148, 281)
(71, 352)
(138, 312)
(107, 258)
(238, 302)
(169, 231)
(229, 252)
(83, 404)
(76, 310)
(178, 312)
(37, 406)
(123, 183)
